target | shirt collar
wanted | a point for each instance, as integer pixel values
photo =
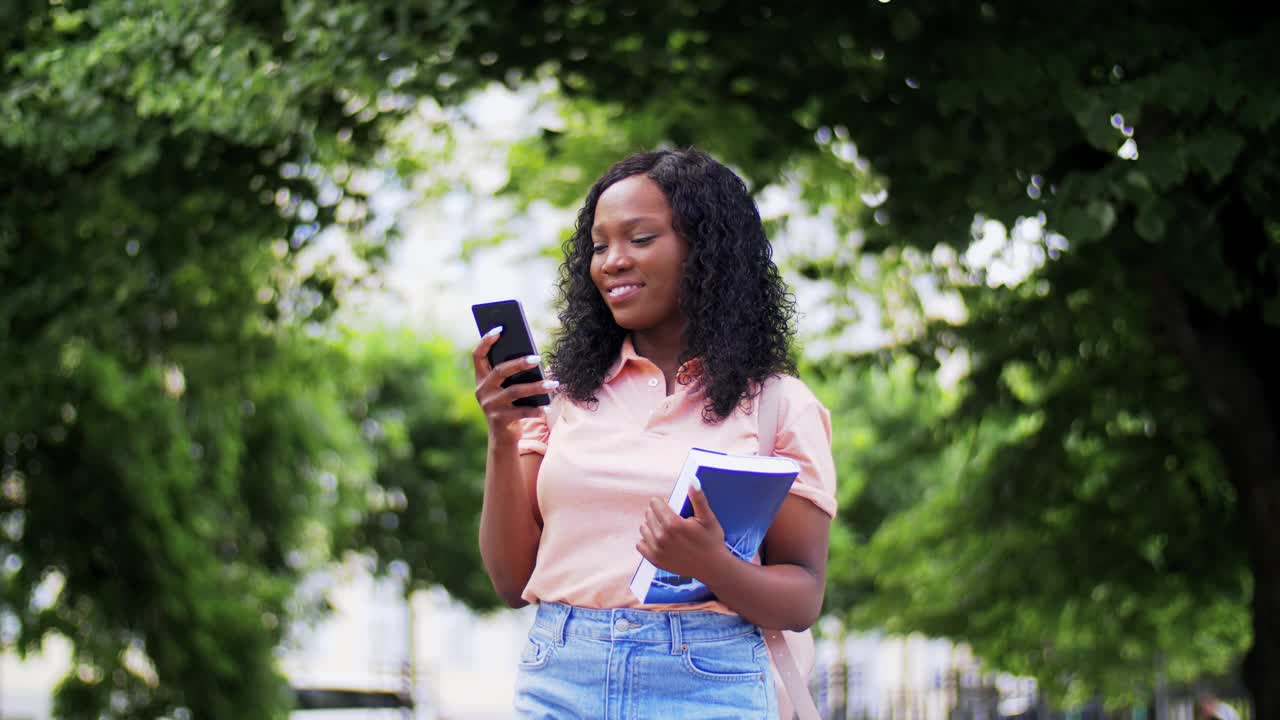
(627, 353)
(690, 370)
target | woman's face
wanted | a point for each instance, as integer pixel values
(638, 258)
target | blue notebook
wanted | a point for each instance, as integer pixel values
(744, 491)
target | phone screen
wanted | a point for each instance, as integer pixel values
(515, 342)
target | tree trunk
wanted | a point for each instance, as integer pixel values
(1245, 436)
(1262, 663)
(1258, 507)
(1234, 362)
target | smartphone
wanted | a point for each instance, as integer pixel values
(515, 342)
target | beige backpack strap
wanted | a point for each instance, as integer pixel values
(795, 684)
(767, 415)
(795, 698)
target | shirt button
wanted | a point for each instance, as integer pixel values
(653, 382)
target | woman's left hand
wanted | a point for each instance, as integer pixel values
(683, 546)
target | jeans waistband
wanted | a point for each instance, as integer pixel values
(558, 621)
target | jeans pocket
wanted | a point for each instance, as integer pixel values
(537, 653)
(728, 661)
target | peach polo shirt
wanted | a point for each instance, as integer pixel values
(601, 467)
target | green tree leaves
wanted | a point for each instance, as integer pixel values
(181, 439)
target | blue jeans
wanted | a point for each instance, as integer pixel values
(639, 665)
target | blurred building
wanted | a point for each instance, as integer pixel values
(458, 665)
(463, 664)
(873, 676)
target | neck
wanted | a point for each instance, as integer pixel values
(661, 346)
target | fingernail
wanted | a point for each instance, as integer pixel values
(551, 384)
(497, 329)
(533, 359)
(697, 484)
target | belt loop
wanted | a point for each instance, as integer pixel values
(562, 617)
(677, 642)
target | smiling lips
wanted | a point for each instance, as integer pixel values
(622, 292)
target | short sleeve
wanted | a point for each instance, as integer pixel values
(534, 432)
(804, 435)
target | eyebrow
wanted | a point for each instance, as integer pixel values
(626, 224)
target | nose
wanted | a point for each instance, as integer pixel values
(616, 259)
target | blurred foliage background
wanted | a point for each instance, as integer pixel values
(187, 430)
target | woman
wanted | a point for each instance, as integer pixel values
(674, 314)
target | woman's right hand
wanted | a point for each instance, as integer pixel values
(497, 401)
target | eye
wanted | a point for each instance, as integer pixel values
(597, 249)
(643, 240)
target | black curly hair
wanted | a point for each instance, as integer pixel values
(741, 318)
